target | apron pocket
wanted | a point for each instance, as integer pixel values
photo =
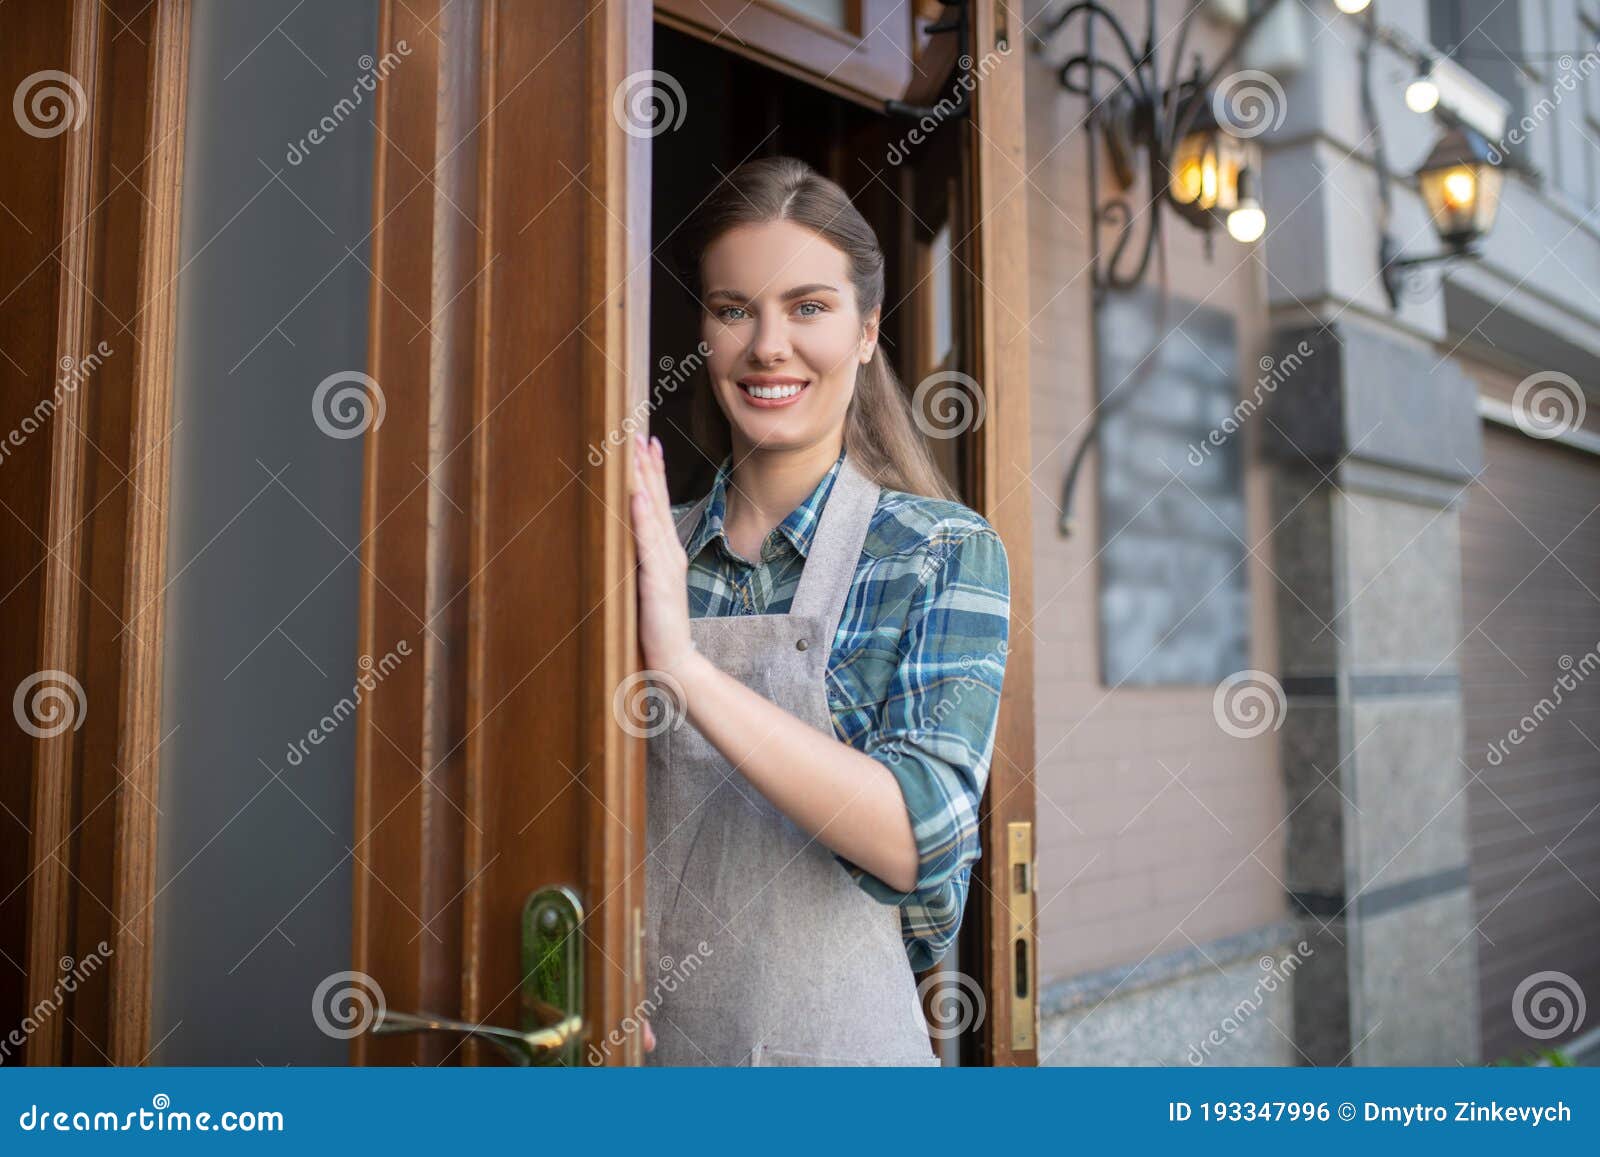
(766, 1056)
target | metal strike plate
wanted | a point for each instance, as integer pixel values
(1019, 906)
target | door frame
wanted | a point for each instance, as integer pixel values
(1003, 492)
(101, 477)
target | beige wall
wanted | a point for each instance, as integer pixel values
(1130, 863)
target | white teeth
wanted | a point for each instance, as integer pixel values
(773, 391)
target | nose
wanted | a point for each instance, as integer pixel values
(770, 344)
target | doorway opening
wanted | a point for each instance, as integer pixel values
(915, 196)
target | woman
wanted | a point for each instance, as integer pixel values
(831, 626)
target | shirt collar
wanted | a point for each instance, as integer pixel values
(799, 526)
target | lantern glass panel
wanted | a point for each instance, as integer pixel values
(1190, 177)
(1462, 199)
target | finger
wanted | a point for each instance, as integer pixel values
(642, 486)
(636, 492)
(658, 478)
(660, 525)
(645, 535)
(641, 506)
(646, 532)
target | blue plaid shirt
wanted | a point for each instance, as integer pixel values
(914, 675)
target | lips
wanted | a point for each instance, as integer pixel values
(772, 393)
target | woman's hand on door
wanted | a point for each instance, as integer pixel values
(663, 567)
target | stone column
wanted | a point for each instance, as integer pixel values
(1374, 439)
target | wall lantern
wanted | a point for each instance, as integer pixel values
(1212, 177)
(1460, 185)
(1163, 133)
(1165, 137)
(1460, 179)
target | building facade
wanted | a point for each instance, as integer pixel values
(1396, 860)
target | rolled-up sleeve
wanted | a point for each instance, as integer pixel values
(936, 730)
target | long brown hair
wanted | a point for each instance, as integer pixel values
(880, 436)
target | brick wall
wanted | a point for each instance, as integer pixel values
(1131, 863)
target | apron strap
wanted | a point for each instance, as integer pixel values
(830, 568)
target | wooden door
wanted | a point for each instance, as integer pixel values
(514, 550)
(507, 307)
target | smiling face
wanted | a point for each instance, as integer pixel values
(785, 334)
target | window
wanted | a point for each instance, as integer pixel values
(1590, 44)
(1485, 38)
(857, 47)
(830, 12)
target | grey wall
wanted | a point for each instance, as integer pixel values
(255, 869)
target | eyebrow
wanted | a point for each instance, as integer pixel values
(797, 291)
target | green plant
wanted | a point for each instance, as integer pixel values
(1551, 1057)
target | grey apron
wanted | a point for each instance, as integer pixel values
(760, 949)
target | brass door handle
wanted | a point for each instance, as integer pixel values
(551, 990)
(542, 1046)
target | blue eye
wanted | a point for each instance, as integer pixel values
(722, 311)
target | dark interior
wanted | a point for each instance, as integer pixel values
(738, 110)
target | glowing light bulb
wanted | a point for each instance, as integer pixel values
(1460, 188)
(1422, 95)
(1246, 220)
(1247, 223)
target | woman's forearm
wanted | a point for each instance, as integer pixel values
(848, 801)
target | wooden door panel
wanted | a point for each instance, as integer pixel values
(505, 301)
